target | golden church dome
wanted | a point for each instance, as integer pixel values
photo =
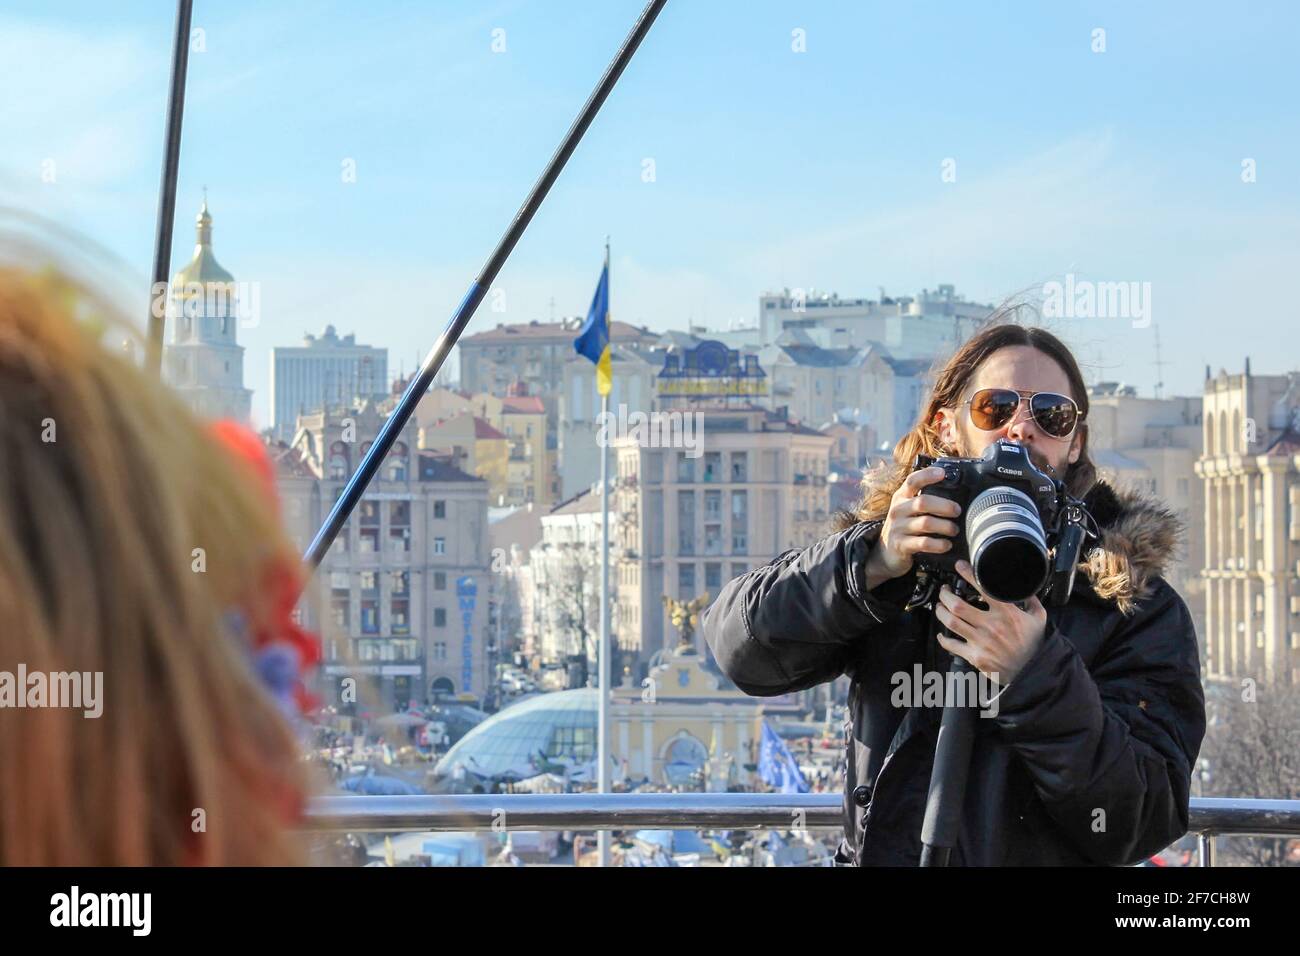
(203, 268)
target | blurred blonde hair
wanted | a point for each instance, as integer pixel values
(97, 535)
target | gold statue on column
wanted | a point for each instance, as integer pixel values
(685, 616)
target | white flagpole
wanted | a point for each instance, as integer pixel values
(602, 730)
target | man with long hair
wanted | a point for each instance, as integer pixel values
(1087, 756)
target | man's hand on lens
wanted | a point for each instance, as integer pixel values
(998, 641)
(912, 526)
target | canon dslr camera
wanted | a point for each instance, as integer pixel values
(1018, 528)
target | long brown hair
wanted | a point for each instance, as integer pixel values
(950, 383)
(108, 488)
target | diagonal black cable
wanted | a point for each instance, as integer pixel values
(369, 466)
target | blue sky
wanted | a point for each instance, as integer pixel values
(772, 167)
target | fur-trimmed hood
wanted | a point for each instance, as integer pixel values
(1139, 538)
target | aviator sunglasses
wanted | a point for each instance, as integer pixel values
(992, 408)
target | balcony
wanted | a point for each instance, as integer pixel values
(1210, 817)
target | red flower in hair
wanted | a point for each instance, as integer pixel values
(282, 580)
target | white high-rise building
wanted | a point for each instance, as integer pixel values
(204, 361)
(324, 370)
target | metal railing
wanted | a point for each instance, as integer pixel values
(1210, 817)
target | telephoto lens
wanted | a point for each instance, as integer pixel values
(1008, 546)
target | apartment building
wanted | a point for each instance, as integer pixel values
(692, 519)
(401, 599)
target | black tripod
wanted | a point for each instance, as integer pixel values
(952, 751)
(948, 778)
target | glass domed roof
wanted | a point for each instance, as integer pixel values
(546, 732)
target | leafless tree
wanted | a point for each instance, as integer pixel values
(568, 595)
(1252, 749)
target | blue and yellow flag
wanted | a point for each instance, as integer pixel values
(593, 341)
(776, 766)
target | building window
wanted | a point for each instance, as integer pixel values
(740, 466)
(440, 580)
(340, 610)
(439, 617)
(440, 509)
(739, 522)
(369, 581)
(738, 569)
(686, 522)
(439, 650)
(399, 620)
(369, 527)
(685, 467)
(370, 617)
(399, 526)
(686, 580)
(397, 465)
(713, 466)
(713, 577)
(399, 583)
(439, 545)
(338, 466)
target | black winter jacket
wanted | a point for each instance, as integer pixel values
(1088, 759)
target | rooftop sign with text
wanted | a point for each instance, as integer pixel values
(711, 370)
